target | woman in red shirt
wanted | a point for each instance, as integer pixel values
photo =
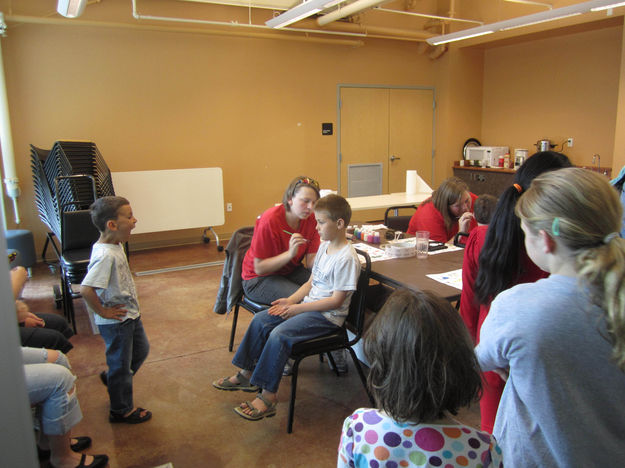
(284, 237)
(495, 260)
(449, 210)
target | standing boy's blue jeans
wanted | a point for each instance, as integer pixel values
(268, 341)
(126, 348)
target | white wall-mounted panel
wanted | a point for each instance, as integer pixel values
(173, 199)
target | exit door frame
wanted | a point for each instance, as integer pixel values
(338, 120)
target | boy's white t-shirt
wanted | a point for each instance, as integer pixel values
(109, 274)
(336, 272)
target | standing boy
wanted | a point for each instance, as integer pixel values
(109, 291)
(317, 308)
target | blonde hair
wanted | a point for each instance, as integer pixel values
(583, 211)
(448, 193)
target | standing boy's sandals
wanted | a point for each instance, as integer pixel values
(257, 414)
(133, 418)
(244, 384)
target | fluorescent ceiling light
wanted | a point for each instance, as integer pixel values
(298, 12)
(71, 8)
(535, 18)
(540, 21)
(460, 37)
(531, 2)
(607, 7)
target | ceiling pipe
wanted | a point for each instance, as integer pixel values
(139, 16)
(345, 29)
(352, 8)
(212, 32)
(374, 31)
(424, 15)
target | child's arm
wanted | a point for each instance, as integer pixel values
(117, 312)
(288, 307)
(18, 280)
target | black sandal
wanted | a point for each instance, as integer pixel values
(82, 443)
(99, 461)
(133, 418)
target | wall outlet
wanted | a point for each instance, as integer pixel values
(569, 142)
(228, 206)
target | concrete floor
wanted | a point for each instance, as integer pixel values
(193, 424)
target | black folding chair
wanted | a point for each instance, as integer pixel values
(247, 304)
(399, 223)
(339, 339)
(78, 234)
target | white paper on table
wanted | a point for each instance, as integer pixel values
(451, 278)
(374, 253)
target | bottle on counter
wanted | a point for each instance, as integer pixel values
(506, 161)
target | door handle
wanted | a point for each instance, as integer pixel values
(393, 158)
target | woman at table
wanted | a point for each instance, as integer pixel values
(495, 260)
(448, 211)
(284, 237)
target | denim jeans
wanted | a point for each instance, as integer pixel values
(53, 336)
(266, 289)
(51, 388)
(268, 341)
(127, 348)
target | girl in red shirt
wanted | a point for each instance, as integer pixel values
(284, 236)
(449, 210)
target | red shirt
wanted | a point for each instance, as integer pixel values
(474, 314)
(428, 218)
(269, 240)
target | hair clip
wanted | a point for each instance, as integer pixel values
(518, 188)
(555, 226)
(308, 181)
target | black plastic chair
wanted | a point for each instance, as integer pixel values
(78, 234)
(247, 304)
(339, 339)
(396, 222)
(460, 239)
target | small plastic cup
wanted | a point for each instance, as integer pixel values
(422, 243)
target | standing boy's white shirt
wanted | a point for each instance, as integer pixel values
(335, 272)
(109, 274)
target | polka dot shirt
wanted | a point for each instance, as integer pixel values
(371, 439)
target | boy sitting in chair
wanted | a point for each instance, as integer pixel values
(317, 308)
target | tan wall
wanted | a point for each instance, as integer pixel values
(619, 137)
(161, 100)
(555, 88)
(459, 109)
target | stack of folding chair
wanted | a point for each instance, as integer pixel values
(67, 179)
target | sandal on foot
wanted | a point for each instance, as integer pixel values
(99, 461)
(133, 418)
(256, 414)
(82, 443)
(244, 384)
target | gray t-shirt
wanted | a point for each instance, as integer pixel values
(563, 404)
(336, 272)
(109, 273)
